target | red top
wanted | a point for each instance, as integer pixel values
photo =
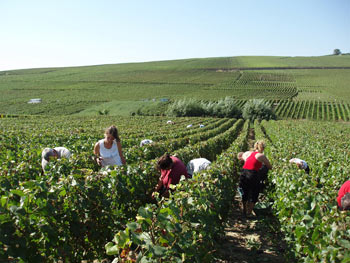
(173, 175)
(345, 188)
(252, 163)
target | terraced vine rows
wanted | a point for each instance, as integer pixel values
(280, 89)
(314, 110)
(260, 85)
(306, 109)
(72, 211)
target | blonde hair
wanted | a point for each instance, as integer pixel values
(259, 146)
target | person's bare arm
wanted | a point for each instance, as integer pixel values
(158, 187)
(97, 153)
(121, 152)
(262, 158)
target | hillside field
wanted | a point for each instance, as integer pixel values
(123, 88)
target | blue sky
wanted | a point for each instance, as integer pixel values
(50, 33)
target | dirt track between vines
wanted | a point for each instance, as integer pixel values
(251, 240)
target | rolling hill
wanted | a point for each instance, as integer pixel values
(123, 88)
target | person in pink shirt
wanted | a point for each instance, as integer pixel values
(171, 169)
(343, 198)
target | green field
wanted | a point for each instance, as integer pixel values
(123, 88)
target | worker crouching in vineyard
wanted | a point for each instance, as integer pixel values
(301, 164)
(197, 165)
(254, 171)
(53, 153)
(108, 151)
(171, 169)
(343, 198)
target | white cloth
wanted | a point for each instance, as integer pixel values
(201, 125)
(109, 156)
(197, 165)
(62, 152)
(189, 125)
(144, 142)
(302, 163)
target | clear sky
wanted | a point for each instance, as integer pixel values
(59, 33)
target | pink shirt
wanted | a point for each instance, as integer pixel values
(173, 175)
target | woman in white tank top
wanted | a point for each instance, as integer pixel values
(108, 151)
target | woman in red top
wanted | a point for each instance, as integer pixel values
(256, 165)
(171, 169)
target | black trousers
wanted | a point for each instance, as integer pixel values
(251, 183)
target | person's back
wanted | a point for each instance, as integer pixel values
(145, 142)
(252, 163)
(301, 164)
(62, 152)
(252, 175)
(49, 153)
(173, 175)
(197, 165)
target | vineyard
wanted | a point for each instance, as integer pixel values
(77, 211)
(314, 110)
(305, 204)
(73, 211)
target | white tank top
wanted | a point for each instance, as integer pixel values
(109, 156)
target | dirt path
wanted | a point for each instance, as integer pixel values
(251, 138)
(250, 240)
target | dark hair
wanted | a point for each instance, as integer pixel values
(345, 202)
(114, 132)
(164, 162)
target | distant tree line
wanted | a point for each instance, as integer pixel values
(226, 107)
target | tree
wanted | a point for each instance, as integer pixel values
(258, 109)
(336, 51)
(103, 112)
